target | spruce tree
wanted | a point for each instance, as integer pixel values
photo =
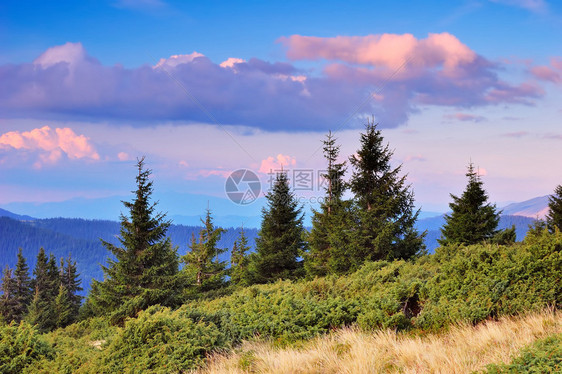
(63, 308)
(41, 310)
(554, 216)
(70, 281)
(144, 270)
(22, 293)
(203, 267)
(239, 260)
(8, 301)
(323, 245)
(473, 219)
(53, 277)
(280, 240)
(384, 205)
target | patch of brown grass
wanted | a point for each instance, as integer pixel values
(462, 349)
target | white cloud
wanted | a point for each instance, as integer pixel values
(175, 60)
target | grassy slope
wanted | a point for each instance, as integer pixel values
(462, 349)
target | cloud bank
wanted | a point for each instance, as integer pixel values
(388, 75)
(49, 145)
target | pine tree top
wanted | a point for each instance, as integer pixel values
(472, 219)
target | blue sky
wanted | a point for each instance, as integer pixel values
(204, 88)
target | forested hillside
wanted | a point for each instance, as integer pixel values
(81, 239)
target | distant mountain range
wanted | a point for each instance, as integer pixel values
(534, 208)
(81, 239)
(5, 213)
(182, 208)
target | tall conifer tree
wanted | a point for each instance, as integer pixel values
(324, 253)
(554, 216)
(385, 212)
(280, 240)
(41, 310)
(22, 293)
(239, 260)
(204, 269)
(472, 219)
(70, 281)
(63, 309)
(144, 270)
(7, 298)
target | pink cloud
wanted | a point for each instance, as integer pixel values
(417, 157)
(546, 73)
(384, 50)
(550, 73)
(517, 134)
(272, 164)
(50, 144)
(464, 117)
(124, 156)
(231, 61)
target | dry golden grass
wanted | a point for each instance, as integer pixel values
(462, 349)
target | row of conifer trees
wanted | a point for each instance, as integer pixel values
(49, 300)
(370, 217)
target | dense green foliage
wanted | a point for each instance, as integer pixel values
(472, 220)
(280, 240)
(55, 301)
(20, 345)
(554, 216)
(144, 271)
(543, 356)
(160, 341)
(458, 283)
(481, 281)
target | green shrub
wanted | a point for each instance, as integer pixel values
(543, 356)
(476, 282)
(160, 341)
(20, 345)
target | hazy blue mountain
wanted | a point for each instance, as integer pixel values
(225, 221)
(81, 239)
(5, 213)
(175, 204)
(532, 208)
